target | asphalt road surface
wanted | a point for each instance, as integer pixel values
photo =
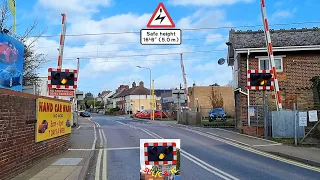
(203, 157)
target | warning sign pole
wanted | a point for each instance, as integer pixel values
(270, 54)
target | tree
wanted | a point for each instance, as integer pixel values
(230, 83)
(88, 96)
(32, 60)
(215, 84)
(216, 99)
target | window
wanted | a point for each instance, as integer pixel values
(265, 65)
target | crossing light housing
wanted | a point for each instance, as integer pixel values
(260, 79)
(62, 78)
(160, 153)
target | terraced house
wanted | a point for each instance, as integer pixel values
(297, 59)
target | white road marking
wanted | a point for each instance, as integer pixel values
(97, 175)
(101, 140)
(208, 167)
(228, 139)
(95, 137)
(79, 127)
(108, 149)
(250, 149)
(123, 148)
(266, 145)
(197, 161)
(246, 135)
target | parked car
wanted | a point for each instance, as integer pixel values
(10, 77)
(43, 127)
(85, 114)
(8, 52)
(217, 113)
(140, 114)
(157, 114)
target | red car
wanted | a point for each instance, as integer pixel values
(157, 114)
(140, 114)
(8, 52)
(43, 126)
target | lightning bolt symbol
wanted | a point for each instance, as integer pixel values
(162, 18)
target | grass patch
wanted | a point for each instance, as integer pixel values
(284, 140)
(218, 123)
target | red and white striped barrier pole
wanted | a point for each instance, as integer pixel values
(270, 53)
(62, 37)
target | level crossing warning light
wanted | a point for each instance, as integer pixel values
(260, 80)
(62, 78)
(161, 153)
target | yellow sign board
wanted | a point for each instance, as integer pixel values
(53, 119)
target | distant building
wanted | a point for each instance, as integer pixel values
(200, 96)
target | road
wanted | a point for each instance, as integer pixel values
(203, 156)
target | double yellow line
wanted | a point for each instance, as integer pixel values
(102, 156)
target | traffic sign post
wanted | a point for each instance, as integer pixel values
(164, 36)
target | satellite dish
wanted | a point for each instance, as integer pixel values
(221, 61)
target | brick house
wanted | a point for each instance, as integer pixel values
(297, 59)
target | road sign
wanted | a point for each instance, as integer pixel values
(160, 36)
(61, 92)
(160, 18)
(302, 119)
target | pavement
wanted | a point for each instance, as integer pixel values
(206, 153)
(70, 165)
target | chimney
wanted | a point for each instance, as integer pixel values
(141, 84)
(134, 84)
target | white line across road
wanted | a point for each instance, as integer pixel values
(190, 157)
(108, 149)
(79, 127)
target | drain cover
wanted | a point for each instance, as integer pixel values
(67, 162)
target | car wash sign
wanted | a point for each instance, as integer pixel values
(53, 119)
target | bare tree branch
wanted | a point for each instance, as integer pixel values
(216, 101)
(32, 60)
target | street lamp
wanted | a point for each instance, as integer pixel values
(150, 86)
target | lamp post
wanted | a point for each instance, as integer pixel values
(150, 86)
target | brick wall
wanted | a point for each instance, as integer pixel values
(294, 81)
(18, 150)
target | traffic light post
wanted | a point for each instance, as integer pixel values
(261, 80)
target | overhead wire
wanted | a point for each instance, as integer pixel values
(134, 42)
(138, 49)
(146, 60)
(145, 55)
(186, 29)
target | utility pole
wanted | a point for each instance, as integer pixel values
(179, 104)
(75, 92)
(184, 80)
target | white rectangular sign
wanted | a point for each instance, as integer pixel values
(313, 116)
(160, 36)
(302, 118)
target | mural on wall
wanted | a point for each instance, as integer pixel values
(11, 63)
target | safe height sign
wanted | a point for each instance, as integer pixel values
(160, 19)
